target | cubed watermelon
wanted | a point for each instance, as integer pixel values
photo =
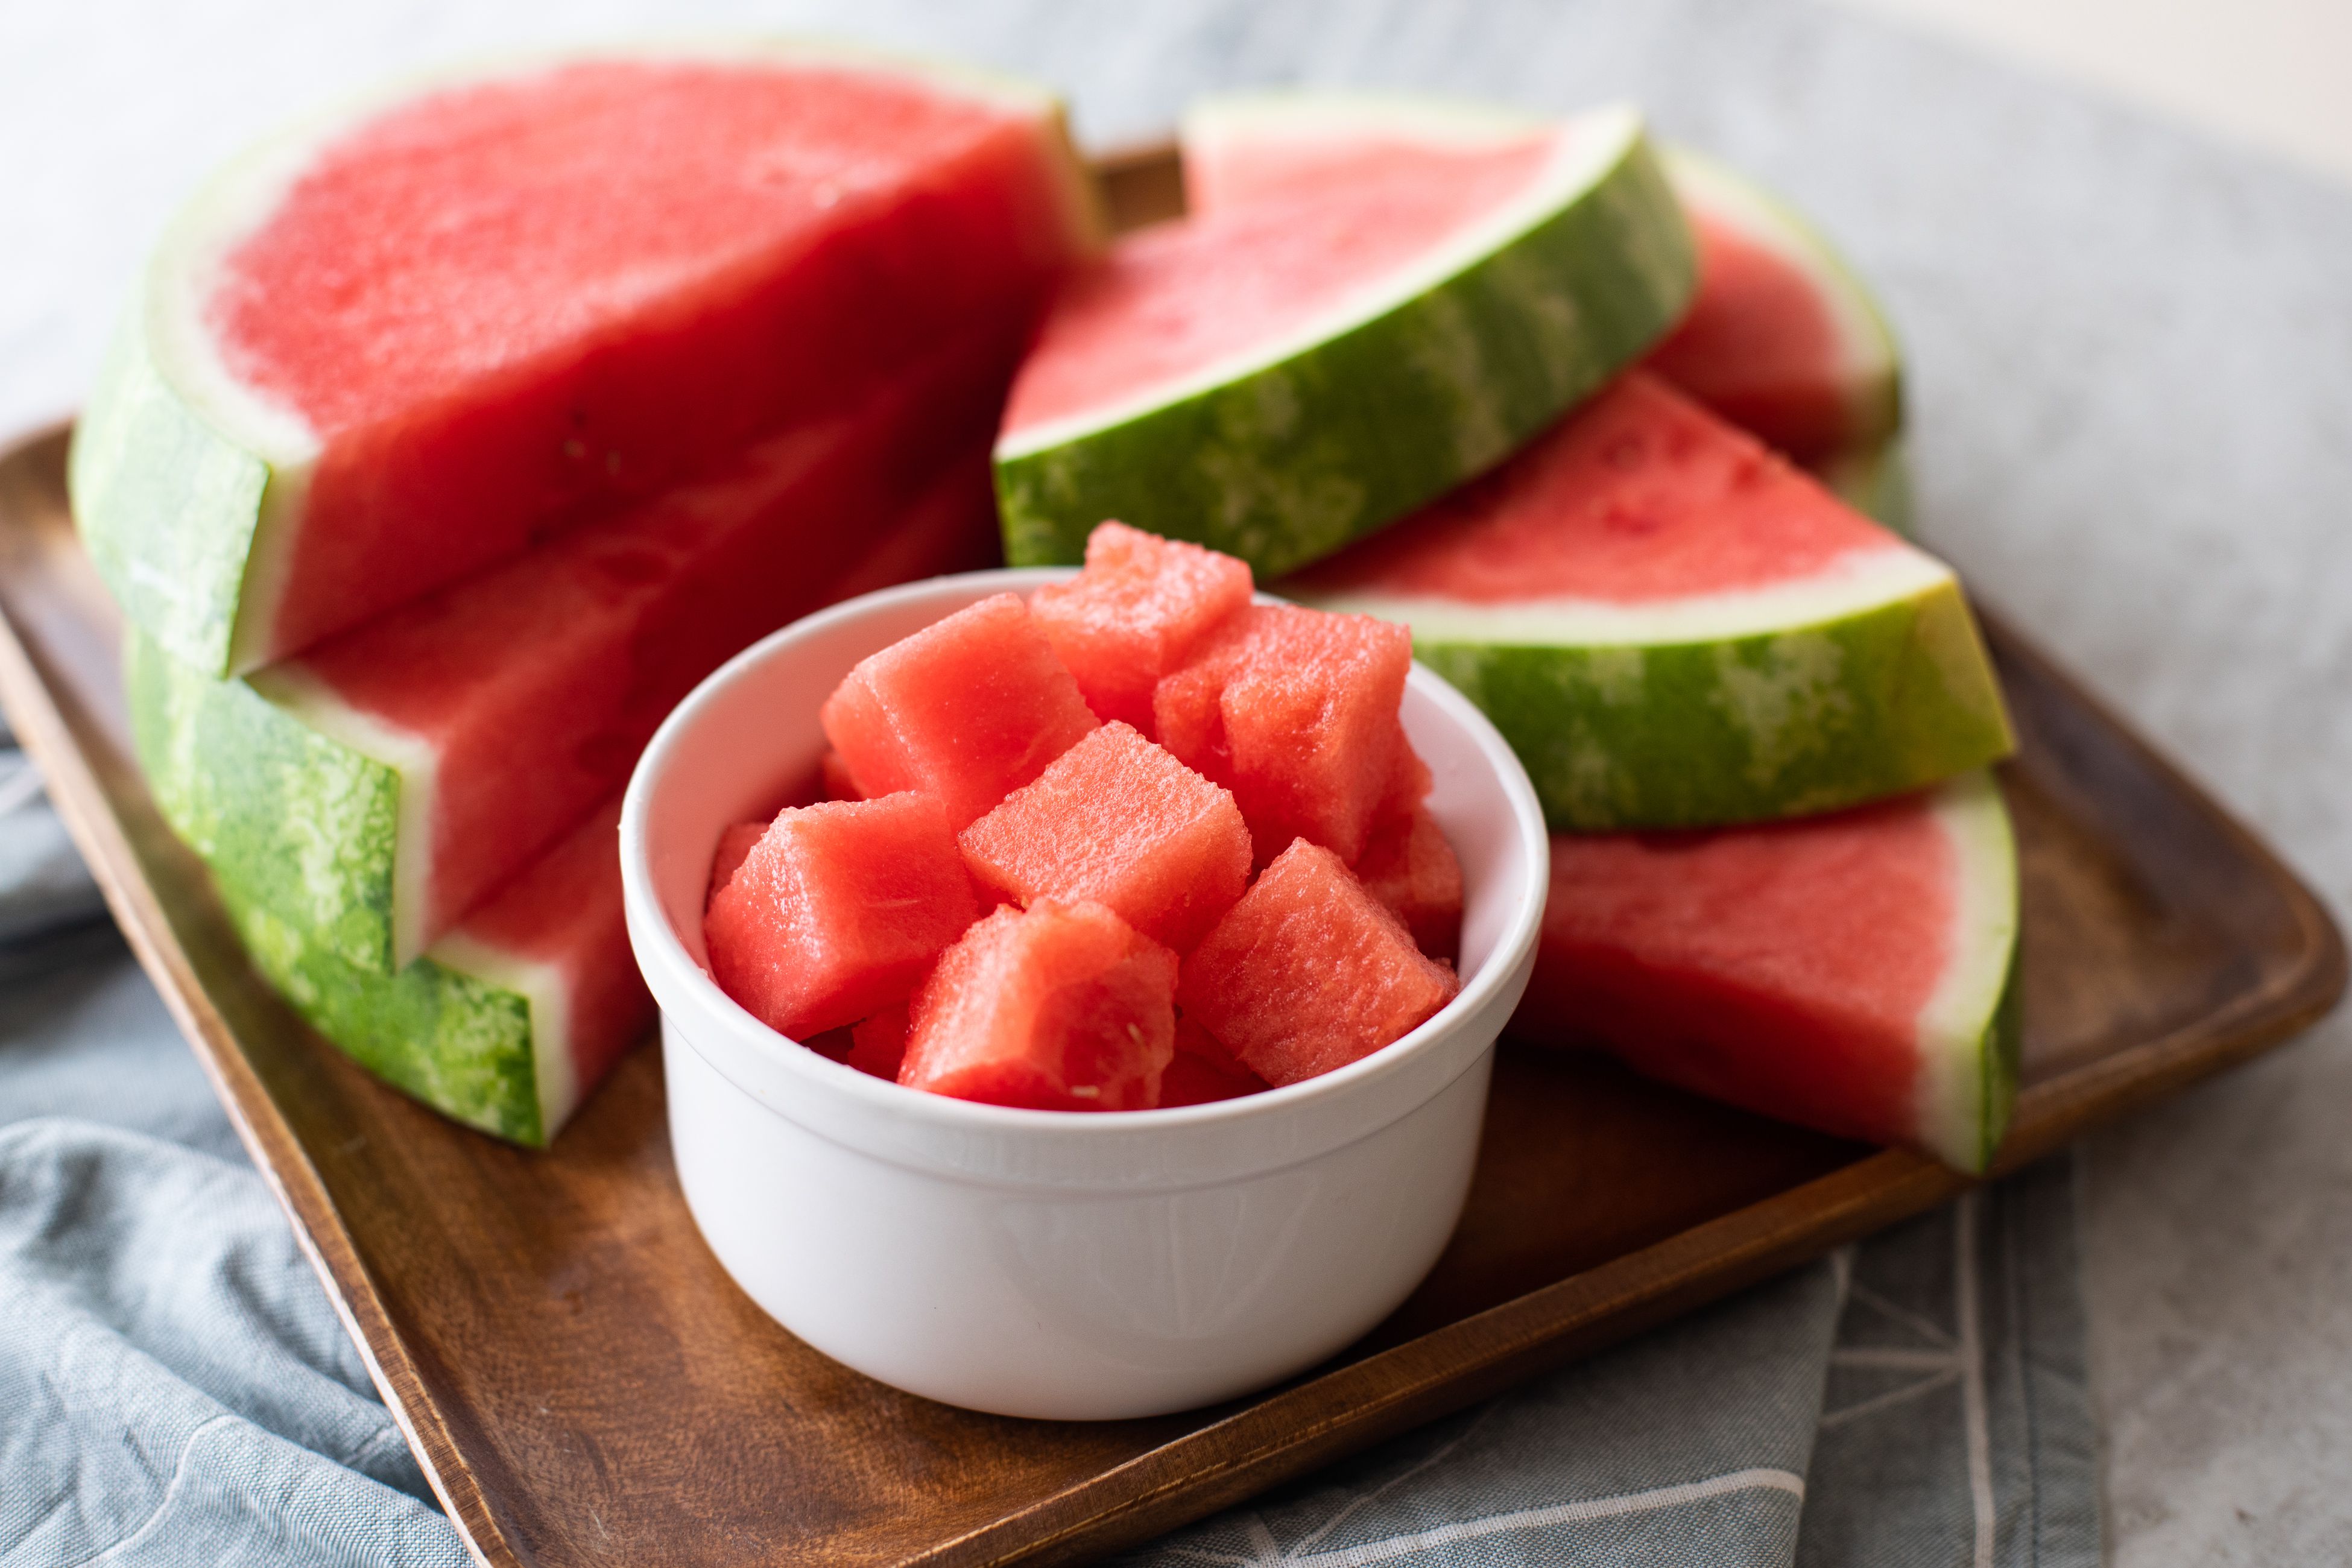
(837, 910)
(967, 710)
(1294, 710)
(1058, 1007)
(1117, 820)
(1410, 868)
(1202, 1071)
(734, 846)
(1309, 972)
(878, 1045)
(833, 774)
(1136, 612)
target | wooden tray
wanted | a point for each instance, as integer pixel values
(585, 1385)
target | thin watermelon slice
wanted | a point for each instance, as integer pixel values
(1854, 973)
(1275, 378)
(1674, 627)
(368, 793)
(405, 342)
(1875, 481)
(506, 1024)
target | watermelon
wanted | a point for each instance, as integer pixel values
(1310, 973)
(417, 335)
(877, 1045)
(735, 847)
(1056, 1007)
(967, 710)
(511, 1019)
(1875, 479)
(1856, 973)
(1202, 1071)
(1408, 865)
(838, 911)
(1675, 627)
(1275, 378)
(371, 791)
(1294, 710)
(1136, 612)
(1116, 821)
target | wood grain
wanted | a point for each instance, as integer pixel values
(585, 1385)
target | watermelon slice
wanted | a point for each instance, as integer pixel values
(405, 342)
(1057, 1007)
(1781, 339)
(1854, 973)
(370, 792)
(1674, 627)
(509, 1021)
(1275, 378)
(1875, 481)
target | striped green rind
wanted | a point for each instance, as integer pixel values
(167, 505)
(306, 828)
(1969, 1040)
(1874, 479)
(1752, 728)
(1998, 1051)
(1283, 463)
(462, 1045)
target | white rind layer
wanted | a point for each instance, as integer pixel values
(546, 990)
(315, 706)
(1586, 146)
(1257, 117)
(1955, 1022)
(1857, 582)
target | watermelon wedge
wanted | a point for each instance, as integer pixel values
(1275, 378)
(371, 791)
(409, 339)
(1674, 627)
(511, 1020)
(1875, 481)
(1854, 973)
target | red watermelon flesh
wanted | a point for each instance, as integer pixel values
(1845, 972)
(833, 773)
(968, 709)
(878, 1045)
(734, 848)
(549, 318)
(1409, 867)
(1058, 1007)
(1137, 611)
(1640, 497)
(1179, 297)
(1203, 1072)
(1294, 710)
(1116, 821)
(1310, 972)
(837, 911)
(562, 662)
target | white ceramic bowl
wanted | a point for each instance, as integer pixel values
(1037, 1263)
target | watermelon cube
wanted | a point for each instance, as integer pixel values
(1309, 972)
(832, 775)
(878, 1045)
(1058, 1007)
(1294, 710)
(1409, 867)
(1136, 612)
(837, 910)
(1202, 1071)
(966, 710)
(734, 846)
(1117, 820)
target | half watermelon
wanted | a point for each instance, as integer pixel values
(1274, 378)
(407, 341)
(370, 792)
(1675, 627)
(1854, 973)
(511, 1020)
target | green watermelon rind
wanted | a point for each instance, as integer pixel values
(188, 487)
(307, 826)
(1875, 404)
(1970, 1041)
(1284, 457)
(463, 1044)
(1871, 700)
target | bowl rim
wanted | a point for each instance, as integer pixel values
(649, 922)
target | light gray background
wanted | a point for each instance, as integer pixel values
(2131, 355)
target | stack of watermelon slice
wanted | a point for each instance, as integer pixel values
(451, 438)
(1564, 407)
